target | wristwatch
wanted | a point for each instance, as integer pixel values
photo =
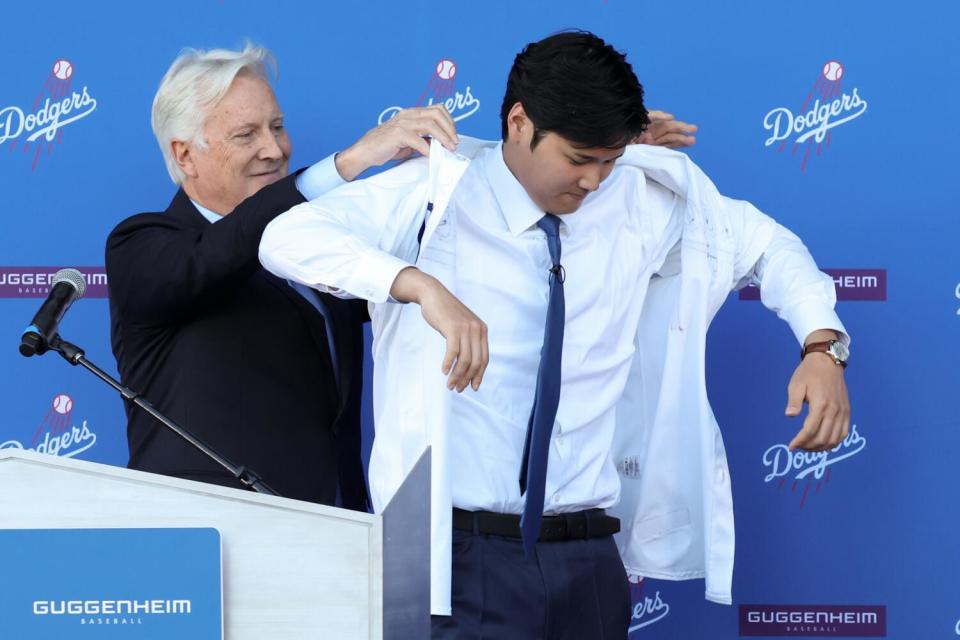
(833, 348)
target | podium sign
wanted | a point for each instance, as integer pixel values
(135, 584)
(292, 570)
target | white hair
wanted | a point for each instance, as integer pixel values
(196, 81)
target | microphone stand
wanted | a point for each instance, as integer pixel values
(75, 356)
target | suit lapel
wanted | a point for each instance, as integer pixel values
(183, 210)
(342, 315)
(341, 311)
(318, 328)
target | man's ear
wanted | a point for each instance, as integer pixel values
(519, 126)
(183, 156)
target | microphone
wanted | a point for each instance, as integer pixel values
(68, 286)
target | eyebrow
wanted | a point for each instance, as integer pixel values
(253, 125)
(242, 126)
(584, 156)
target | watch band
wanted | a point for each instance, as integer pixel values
(822, 347)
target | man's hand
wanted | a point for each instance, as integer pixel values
(819, 381)
(399, 137)
(666, 131)
(467, 348)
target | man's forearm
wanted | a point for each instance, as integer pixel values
(350, 163)
(410, 285)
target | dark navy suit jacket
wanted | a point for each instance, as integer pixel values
(233, 353)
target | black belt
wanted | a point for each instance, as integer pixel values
(592, 523)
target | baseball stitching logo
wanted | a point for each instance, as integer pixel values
(441, 90)
(55, 106)
(56, 435)
(811, 127)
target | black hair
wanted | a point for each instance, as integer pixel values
(576, 85)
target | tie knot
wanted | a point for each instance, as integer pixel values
(550, 225)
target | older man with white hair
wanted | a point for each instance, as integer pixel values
(265, 371)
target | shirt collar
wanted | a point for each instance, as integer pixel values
(206, 213)
(518, 209)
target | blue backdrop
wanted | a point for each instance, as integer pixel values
(872, 193)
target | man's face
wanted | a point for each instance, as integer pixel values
(247, 147)
(557, 174)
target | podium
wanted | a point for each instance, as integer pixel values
(291, 569)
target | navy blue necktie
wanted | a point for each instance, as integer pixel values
(533, 470)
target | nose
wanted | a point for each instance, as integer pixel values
(270, 148)
(591, 178)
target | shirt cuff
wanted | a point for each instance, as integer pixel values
(320, 178)
(378, 271)
(808, 317)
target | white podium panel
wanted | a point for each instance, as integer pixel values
(291, 569)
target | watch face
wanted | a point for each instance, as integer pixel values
(839, 350)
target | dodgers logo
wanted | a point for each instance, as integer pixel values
(57, 105)
(647, 610)
(57, 435)
(441, 90)
(826, 107)
(813, 467)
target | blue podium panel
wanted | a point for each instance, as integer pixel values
(135, 584)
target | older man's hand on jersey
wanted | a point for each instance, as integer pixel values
(819, 382)
(666, 131)
(398, 138)
(467, 348)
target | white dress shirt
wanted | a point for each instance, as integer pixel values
(481, 241)
(500, 264)
(610, 248)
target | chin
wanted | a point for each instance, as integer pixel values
(567, 203)
(259, 182)
(567, 208)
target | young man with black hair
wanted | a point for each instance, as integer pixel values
(568, 277)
